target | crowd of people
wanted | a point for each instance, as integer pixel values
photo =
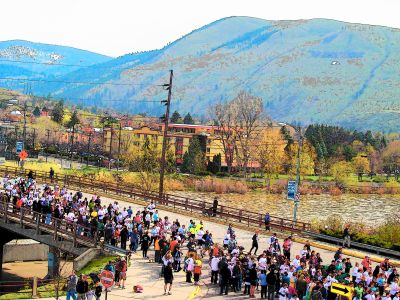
(274, 272)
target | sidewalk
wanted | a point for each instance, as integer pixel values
(147, 274)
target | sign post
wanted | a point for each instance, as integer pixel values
(291, 190)
(341, 289)
(107, 280)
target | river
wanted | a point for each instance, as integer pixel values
(367, 209)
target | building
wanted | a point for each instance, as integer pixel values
(179, 137)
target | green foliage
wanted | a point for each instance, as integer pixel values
(176, 118)
(188, 119)
(214, 166)
(36, 111)
(58, 112)
(74, 120)
(194, 159)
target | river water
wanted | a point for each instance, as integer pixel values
(367, 209)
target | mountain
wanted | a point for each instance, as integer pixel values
(35, 60)
(309, 71)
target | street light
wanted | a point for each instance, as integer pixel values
(297, 129)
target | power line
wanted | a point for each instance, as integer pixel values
(49, 64)
(71, 82)
(88, 99)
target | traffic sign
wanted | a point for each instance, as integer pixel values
(107, 278)
(291, 190)
(341, 289)
(23, 155)
(19, 147)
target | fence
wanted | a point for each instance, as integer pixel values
(31, 287)
(229, 214)
(45, 223)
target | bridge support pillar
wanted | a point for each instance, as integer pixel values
(5, 238)
(52, 263)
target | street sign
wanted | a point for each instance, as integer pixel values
(107, 279)
(341, 289)
(291, 190)
(23, 155)
(19, 147)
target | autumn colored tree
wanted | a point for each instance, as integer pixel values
(341, 171)
(361, 165)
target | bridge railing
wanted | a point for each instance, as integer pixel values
(230, 214)
(45, 223)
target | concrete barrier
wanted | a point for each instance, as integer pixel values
(83, 259)
(24, 250)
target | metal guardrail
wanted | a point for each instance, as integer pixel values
(357, 245)
(230, 214)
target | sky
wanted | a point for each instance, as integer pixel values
(119, 27)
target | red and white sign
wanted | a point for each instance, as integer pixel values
(107, 279)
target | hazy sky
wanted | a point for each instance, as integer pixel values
(118, 27)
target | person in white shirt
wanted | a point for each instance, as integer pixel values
(283, 292)
(394, 287)
(214, 269)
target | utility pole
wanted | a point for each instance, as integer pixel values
(111, 144)
(297, 196)
(119, 144)
(24, 130)
(165, 135)
(47, 143)
(33, 139)
(88, 149)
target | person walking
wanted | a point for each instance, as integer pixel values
(168, 278)
(346, 236)
(71, 286)
(82, 287)
(254, 244)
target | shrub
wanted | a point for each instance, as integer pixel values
(203, 173)
(222, 174)
(335, 191)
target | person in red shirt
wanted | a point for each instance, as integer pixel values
(172, 245)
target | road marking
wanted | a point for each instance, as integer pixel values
(195, 293)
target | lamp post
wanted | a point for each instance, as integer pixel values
(297, 129)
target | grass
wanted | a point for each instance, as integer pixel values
(48, 290)
(96, 265)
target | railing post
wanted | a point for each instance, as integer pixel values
(240, 216)
(281, 224)
(186, 203)
(260, 221)
(21, 217)
(6, 212)
(55, 229)
(248, 221)
(74, 229)
(34, 287)
(38, 216)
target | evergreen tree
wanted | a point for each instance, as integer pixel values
(170, 162)
(58, 112)
(214, 166)
(36, 111)
(74, 120)
(194, 159)
(176, 118)
(188, 119)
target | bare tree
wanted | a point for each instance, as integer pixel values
(224, 118)
(247, 111)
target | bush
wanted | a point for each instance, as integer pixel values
(220, 186)
(203, 173)
(222, 174)
(335, 191)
